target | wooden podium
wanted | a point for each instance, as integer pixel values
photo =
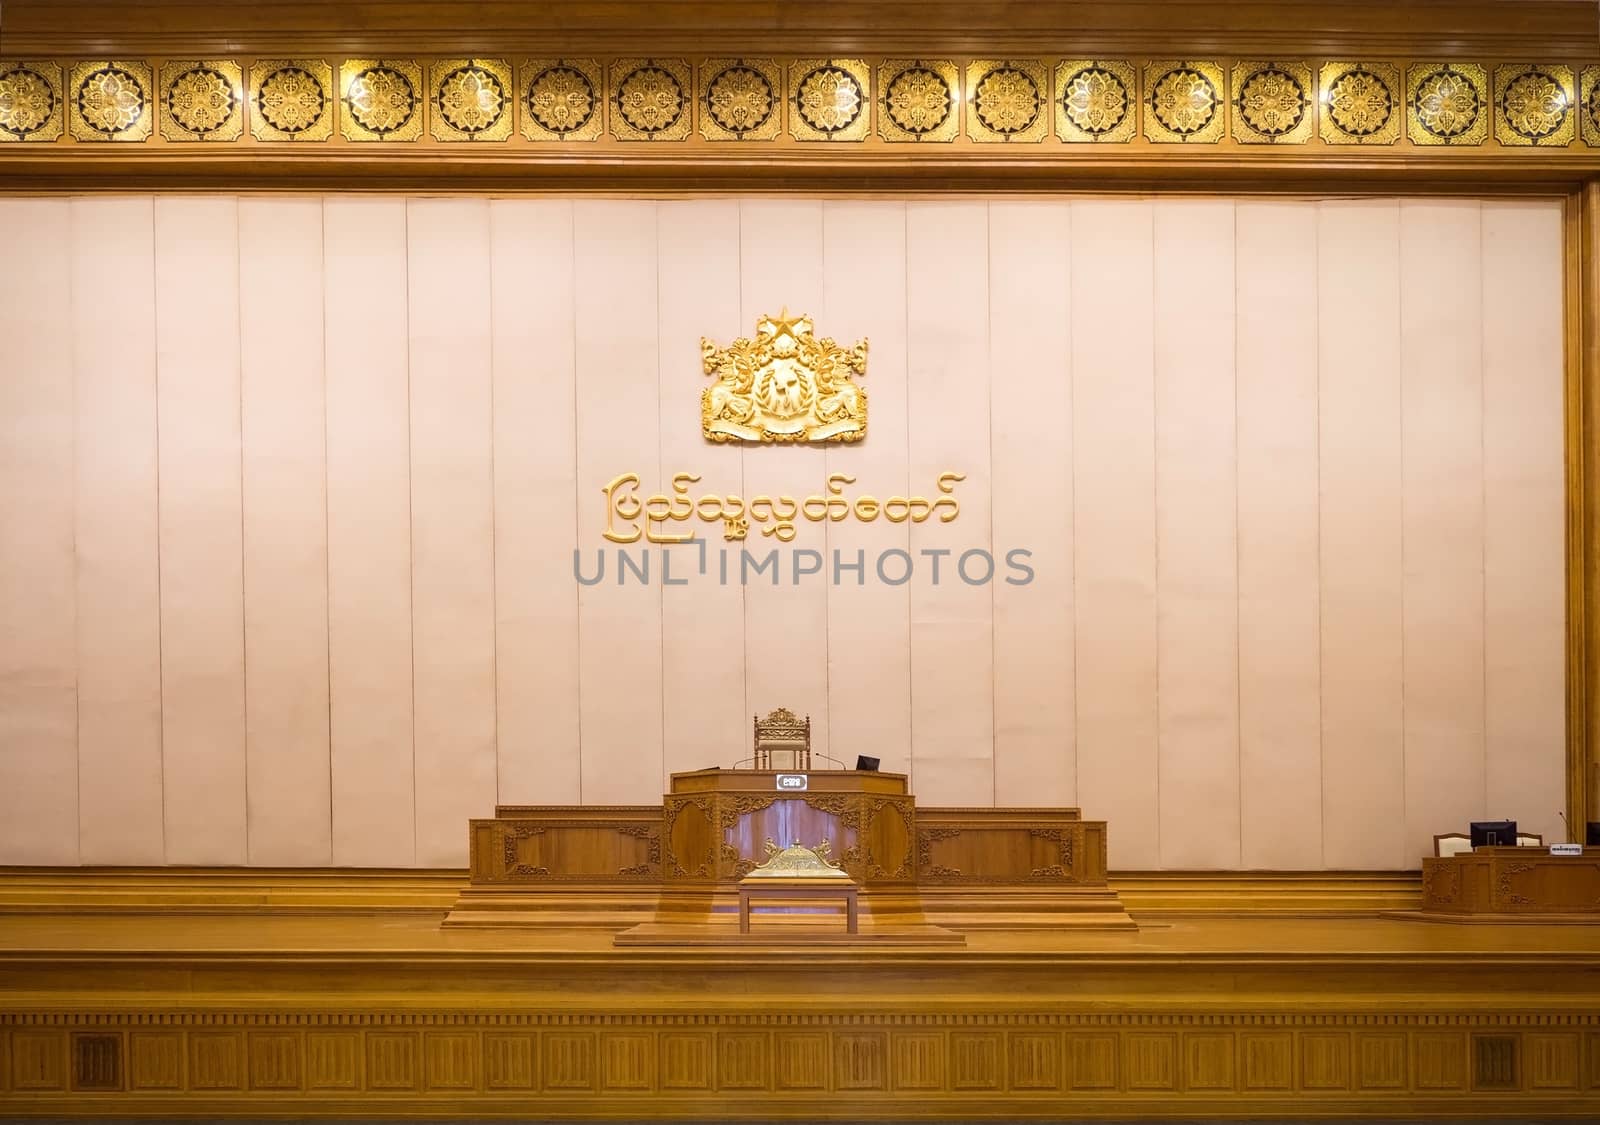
(1523, 884)
(618, 866)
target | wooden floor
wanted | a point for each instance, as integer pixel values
(258, 1011)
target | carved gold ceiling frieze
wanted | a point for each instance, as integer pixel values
(943, 107)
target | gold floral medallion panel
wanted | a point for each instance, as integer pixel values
(783, 385)
(741, 99)
(1185, 102)
(30, 100)
(1008, 100)
(110, 101)
(1447, 104)
(201, 100)
(471, 99)
(1534, 105)
(1272, 103)
(1361, 103)
(382, 99)
(1589, 105)
(829, 99)
(921, 100)
(291, 99)
(1096, 100)
(561, 99)
(650, 99)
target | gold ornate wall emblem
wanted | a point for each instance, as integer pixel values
(1185, 101)
(110, 101)
(1589, 106)
(1360, 103)
(30, 101)
(561, 99)
(1448, 104)
(829, 98)
(1096, 100)
(1534, 105)
(784, 385)
(741, 99)
(1272, 103)
(382, 99)
(650, 99)
(291, 99)
(471, 99)
(1007, 100)
(201, 101)
(921, 100)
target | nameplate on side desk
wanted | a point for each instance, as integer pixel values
(793, 782)
(1566, 849)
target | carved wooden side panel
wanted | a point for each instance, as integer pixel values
(569, 846)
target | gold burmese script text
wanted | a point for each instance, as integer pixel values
(629, 518)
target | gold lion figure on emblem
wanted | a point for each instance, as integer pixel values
(784, 385)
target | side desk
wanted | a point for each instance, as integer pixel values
(1525, 884)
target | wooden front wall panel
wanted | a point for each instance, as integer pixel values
(284, 1060)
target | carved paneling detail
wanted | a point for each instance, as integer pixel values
(1504, 891)
(793, 1057)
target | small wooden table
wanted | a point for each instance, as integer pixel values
(798, 890)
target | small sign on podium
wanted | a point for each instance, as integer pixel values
(792, 782)
(1566, 849)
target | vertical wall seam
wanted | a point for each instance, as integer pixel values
(1238, 640)
(1155, 509)
(1072, 492)
(1483, 500)
(72, 417)
(1316, 323)
(327, 522)
(161, 664)
(988, 329)
(494, 521)
(911, 622)
(244, 614)
(661, 590)
(411, 528)
(1400, 394)
(577, 590)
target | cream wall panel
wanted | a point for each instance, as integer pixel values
(702, 620)
(952, 619)
(369, 532)
(1197, 578)
(1114, 533)
(38, 665)
(869, 659)
(618, 420)
(1358, 295)
(202, 579)
(1441, 397)
(1280, 720)
(118, 583)
(785, 625)
(283, 416)
(535, 501)
(1030, 372)
(1304, 502)
(452, 522)
(1524, 516)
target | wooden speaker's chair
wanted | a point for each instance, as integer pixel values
(1451, 843)
(1529, 840)
(782, 741)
